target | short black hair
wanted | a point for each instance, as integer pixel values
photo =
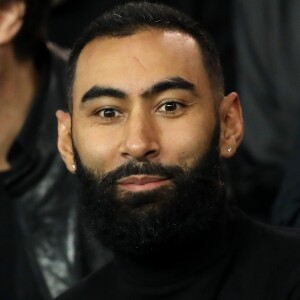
(127, 19)
(33, 30)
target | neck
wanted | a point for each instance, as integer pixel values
(18, 80)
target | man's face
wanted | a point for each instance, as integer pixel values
(145, 96)
(145, 133)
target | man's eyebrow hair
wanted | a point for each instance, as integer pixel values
(102, 91)
(169, 84)
(161, 86)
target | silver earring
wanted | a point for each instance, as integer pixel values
(229, 149)
(73, 166)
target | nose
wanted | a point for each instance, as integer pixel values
(140, 139)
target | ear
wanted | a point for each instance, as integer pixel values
(64, 143)
(11, 20)
(231, 125)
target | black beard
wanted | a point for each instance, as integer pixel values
(153, 221)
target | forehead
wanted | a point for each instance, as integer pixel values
(135, 62)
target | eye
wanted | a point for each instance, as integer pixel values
(108, 113)
(170, 107)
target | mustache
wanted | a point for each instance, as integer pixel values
(132, 168)
(175, 173)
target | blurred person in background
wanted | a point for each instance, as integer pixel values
(38, 246)
(267, 44)
(286, 209)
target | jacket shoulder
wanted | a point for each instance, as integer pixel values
(93, 287)
(266, 260)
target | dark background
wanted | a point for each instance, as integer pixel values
(68, 19)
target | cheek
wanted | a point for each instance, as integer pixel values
(187, 143)
(96, 149)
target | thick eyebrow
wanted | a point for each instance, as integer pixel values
(161, 86)
(102, 91)
(172, 83)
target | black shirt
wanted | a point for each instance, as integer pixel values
(254, 261)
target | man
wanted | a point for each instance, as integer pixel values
(37, 244)
(147, 129)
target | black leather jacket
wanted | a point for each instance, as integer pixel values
(43, 194)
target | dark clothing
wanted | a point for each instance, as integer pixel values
(249, 261)
(6, 244)
(286, 209)
(38, 198)
(268, 71)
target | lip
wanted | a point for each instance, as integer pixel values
(141, 182)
